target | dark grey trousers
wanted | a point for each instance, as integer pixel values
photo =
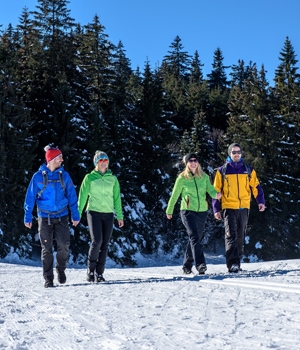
(194, 223)
(235, 222)
(101, 228)
(58, 230)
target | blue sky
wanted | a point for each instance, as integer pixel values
(252, 30)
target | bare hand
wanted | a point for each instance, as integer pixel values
(261, 207)
(169, 216)
(121, 223)
(218, 216)
(75, 223)
(28, 224)
(219, 195)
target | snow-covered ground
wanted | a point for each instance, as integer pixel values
(153, 307)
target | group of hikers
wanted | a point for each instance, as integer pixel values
(52, 191)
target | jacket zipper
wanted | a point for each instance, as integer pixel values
(228, 186)
(197, 194)
(238, 187)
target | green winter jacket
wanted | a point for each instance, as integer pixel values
(102, 192)
(193, 193)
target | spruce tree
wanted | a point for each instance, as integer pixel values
(154, 161)
(175, 70)
(240, 73)
(217, 113)
(198, 92)
(16, 153)
(64, 105)
(285, 197)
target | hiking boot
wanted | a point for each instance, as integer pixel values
(48, 283)
(90, 277)
(99, 278)
(234, 268)
(201, 269)
(186, 270)
(61, 277)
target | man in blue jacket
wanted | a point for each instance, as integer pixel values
(52, 191)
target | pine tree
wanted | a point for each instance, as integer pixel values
(198, 91)
(65, 100)
(240, 73)
(95, 60)
(175, 70)
(154, 161)
(284, 197)
(16, 155)
(218, 86)
(217, 78)
(286, 89)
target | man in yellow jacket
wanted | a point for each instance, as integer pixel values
(235, 180)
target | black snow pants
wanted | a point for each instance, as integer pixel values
(101, 228)
(194, 223)
(235, 222)
(58, 230)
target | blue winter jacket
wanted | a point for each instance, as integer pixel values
(54, 200)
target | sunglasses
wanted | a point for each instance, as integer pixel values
(103, 160)
(236, 152)
(193, 160)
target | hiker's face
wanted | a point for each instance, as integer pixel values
(57, 161)
(193, 164)
(236, 154)
(102, 165)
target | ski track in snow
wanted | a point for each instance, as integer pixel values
(152, 308)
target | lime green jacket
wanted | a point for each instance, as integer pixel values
(193, 193)
(102, 191)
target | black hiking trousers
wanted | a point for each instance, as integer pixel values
(58, 229)
(101, 228)
(194, 223)
(235, 223)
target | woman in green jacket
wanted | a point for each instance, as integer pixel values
(102, 191)
(192, 184)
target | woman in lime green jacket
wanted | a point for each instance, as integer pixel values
(102, 191)
(192, 184)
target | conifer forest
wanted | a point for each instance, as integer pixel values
(67, 84)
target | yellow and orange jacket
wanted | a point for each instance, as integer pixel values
(236, 187)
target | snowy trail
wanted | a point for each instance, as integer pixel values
(259, 285)
(152, 308)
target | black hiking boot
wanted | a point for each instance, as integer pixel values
(61, 277)
(99, 277)
(48, 283)
(201, 269)
(90, 276)
(186, 270)
(234, 268)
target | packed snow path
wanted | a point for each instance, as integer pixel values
(153, 308)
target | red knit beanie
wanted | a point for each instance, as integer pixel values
(51, 153)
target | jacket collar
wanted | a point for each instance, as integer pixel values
(235, 165)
